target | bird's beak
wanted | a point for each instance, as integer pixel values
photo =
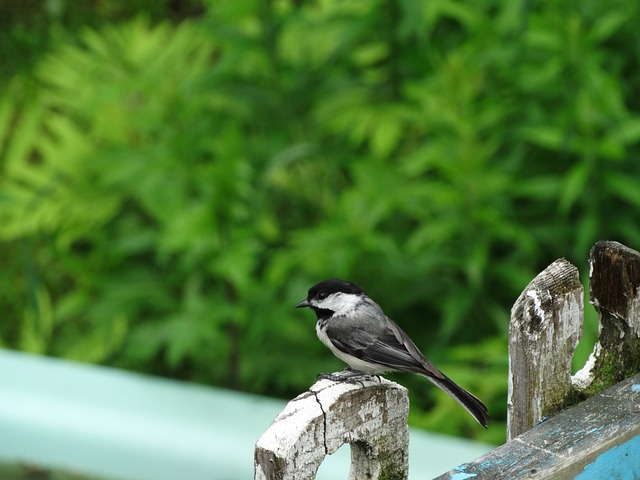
(303, 303)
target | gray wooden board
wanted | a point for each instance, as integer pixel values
(594, 439)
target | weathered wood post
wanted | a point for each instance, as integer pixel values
(614, 291)
(546, 325)
(371, 416)
(598, 437)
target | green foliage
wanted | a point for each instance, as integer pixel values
(30, 29)
(169, 191)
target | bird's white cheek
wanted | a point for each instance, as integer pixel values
(342, 304)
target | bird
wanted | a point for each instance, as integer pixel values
(357, 331)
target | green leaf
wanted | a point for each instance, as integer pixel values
(574, 186)
(624, 187)
(609, 24)
(545, 136)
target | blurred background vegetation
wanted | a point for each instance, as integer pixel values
(174, 176)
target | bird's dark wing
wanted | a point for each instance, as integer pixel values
(382, 349)
(385, 343)
(373, 338)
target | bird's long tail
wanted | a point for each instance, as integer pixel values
(470, 403)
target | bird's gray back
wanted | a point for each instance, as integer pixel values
(367, 333)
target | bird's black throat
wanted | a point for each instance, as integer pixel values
(323, 313)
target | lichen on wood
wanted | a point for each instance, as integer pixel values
(614, 282)
(546, 326)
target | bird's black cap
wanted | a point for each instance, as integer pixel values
(334, 285)
(326, 288)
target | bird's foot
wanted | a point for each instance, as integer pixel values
(349, 375)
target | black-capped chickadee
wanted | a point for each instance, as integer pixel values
(358, 332)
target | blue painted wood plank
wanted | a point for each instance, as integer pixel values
(596, 439)
(621, 462)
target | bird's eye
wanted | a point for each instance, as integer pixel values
(322, 295)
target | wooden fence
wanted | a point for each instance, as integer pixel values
(585, 426)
